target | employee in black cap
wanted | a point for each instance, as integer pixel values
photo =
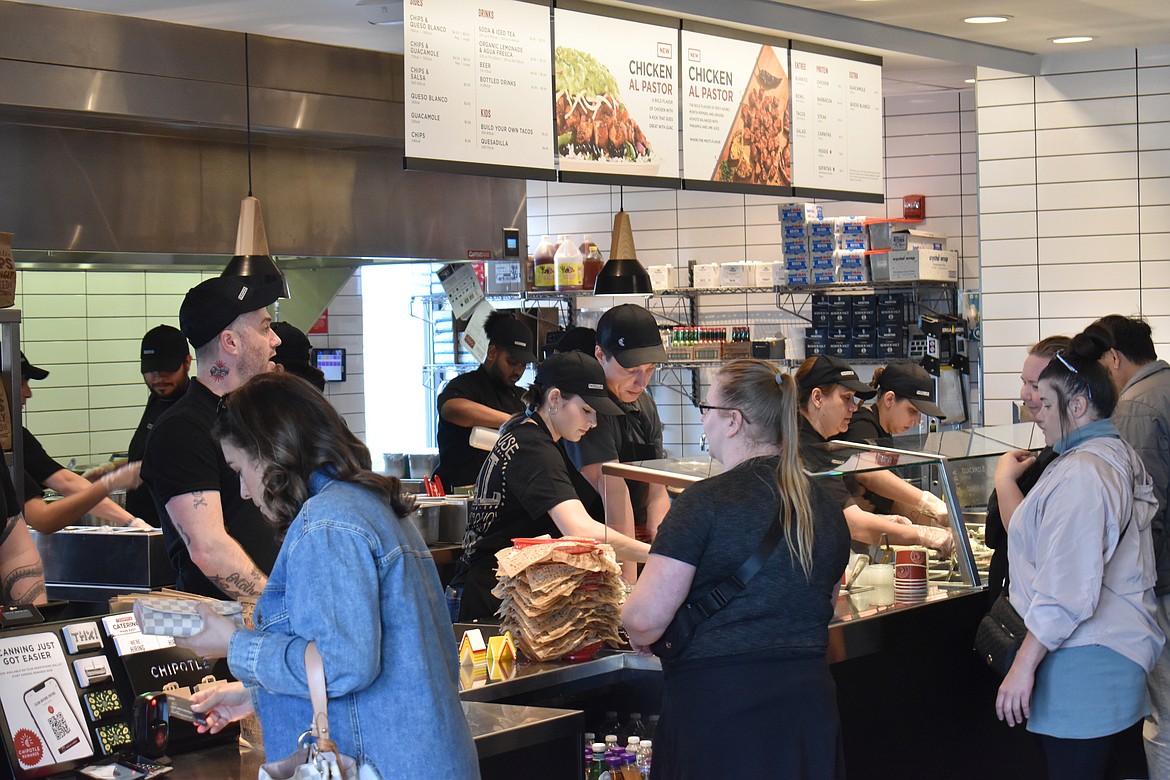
(528, 486)
(292, 356)
(219, 543)
(905, 392)
(79, 495)
(165, 363)
(487, 396)
(829, 392)
(629, 348)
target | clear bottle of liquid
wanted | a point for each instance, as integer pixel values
(611, 743)
(570, 265)
(613, 768)
(630, 766)
(632, 744)
(592, 263)
(645, 754)
(545, 269)
(597, 765)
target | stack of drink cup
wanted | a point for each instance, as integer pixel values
(910, 574)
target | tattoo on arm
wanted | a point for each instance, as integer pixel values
(24, 585)
(240, 584)
(198, 499)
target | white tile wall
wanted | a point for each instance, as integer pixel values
(930, 149)
(1101, 219)
(85, 327)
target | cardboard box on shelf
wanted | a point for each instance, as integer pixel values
(901, 240)
(661, 277)
(799, 212)
(915, 265)
(706, 275)
(737, 275)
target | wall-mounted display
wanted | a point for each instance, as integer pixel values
(736, 117)
(836, 124)
(479, 87)
(616, 99)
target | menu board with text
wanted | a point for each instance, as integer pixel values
(616, 97)
(479, 83)
(836, 124)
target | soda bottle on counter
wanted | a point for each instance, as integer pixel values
(545, 268)
(569, 265)
(592, 263)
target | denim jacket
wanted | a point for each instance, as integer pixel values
(357, 580)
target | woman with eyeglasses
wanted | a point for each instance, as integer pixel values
(754, 676)
(829, 393)
(1082, 563)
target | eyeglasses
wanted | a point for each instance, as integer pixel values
(704, 408)
(1072, 368)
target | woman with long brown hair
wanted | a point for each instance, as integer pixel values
(754, 675)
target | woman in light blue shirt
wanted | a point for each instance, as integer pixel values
(352, 576)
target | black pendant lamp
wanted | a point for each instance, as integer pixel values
(252, 257)
(622, 274)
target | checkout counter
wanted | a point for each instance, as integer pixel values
(914, 699)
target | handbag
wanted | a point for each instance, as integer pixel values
(678, 634)
(316, 756)
(999, 635)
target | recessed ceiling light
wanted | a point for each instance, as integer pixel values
(968, 81)
(1072, 39)
(986, 19)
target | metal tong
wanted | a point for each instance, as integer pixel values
(883, 553)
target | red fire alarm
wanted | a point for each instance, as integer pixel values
(914, 207)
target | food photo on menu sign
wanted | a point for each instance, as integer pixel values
(737, 124)
(616, 103)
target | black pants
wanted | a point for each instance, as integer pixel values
(1077, 759)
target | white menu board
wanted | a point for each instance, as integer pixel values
(735, 111)
(478, 82)
(616, 108)
(836, 123)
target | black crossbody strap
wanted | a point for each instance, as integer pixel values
(733, 585)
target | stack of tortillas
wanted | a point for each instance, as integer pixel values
(559, 595)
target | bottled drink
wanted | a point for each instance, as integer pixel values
(632, 744)
(544, 265)
(611, 743)
(651, 727)
(645, 754)
(630, 766)
(530, 273)
(597, 765)
(570, 266)
(613, 768)
(610, 724)
(592, 262)
(634, 726)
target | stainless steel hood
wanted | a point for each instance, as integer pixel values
(123, 143)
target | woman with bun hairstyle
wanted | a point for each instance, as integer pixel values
(829, 390)
(905, 392)
(754, 678)
(1082, 563)
(528, 486)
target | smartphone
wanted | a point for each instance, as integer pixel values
(61, 730)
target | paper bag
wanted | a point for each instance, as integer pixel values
(7, 272)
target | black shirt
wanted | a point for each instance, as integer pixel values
(866, 427)
(635, 435)
(181, 457)
(38, 466)
(12, 505)
(139, 501)
(716, 524)
(995, 535)
(459, 462)
(817, 457)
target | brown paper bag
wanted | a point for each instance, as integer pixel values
(7, 272)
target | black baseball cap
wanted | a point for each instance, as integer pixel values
(212, 305)
(294, 344)
(827, 370)
(578, 374)
(29, 371)
(511, 334)
(630, 333)
(163, 349)
(909, 380)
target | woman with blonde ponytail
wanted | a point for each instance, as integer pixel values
(755, 673)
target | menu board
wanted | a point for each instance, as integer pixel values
(836, 125)
(616, 101)
(736, 120)
(479, 86)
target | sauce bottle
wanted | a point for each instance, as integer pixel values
(569, 265)
(544, 265)
(592, 263)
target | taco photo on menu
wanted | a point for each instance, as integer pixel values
(593, 124)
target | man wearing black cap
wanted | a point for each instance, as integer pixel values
(219, 543)
(629, 348)
(487, 396)
(165, 362)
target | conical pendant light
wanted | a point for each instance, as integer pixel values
(252, 257)
(622, 274)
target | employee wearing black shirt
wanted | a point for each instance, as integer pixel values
(165, 360)
(528, 486)
(79, 494)
(219, 543)
(487, 396)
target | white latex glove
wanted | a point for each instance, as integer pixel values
(897, 519)
(140, 524)
(930, 505)
(125, 478)
(938, 539)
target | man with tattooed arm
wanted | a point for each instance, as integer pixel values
(22, 578)
(219, 543)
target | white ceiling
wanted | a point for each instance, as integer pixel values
(879, 26)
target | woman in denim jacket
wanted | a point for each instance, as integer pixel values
(351, 576)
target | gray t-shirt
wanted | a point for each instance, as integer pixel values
(716, 524)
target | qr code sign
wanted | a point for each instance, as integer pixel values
(58, 724)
